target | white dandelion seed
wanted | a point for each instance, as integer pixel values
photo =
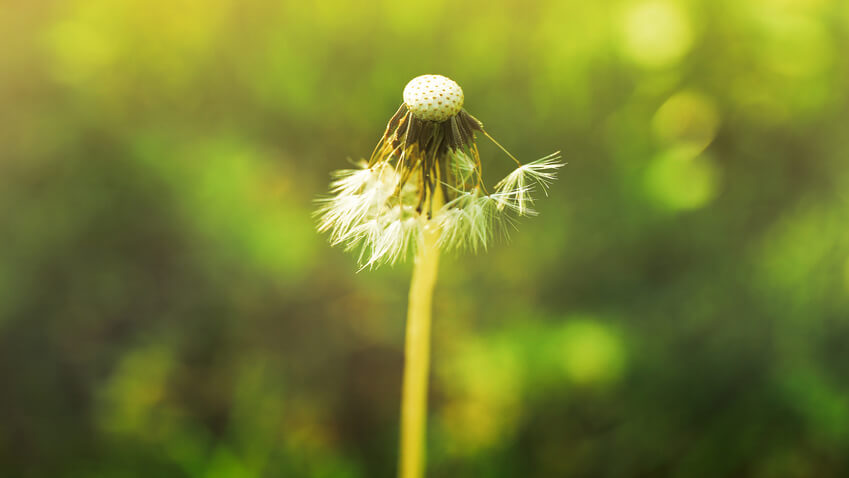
(518, 185)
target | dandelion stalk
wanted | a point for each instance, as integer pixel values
(422, 191)
(417, 357)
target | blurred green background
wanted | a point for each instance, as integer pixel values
(679, 308)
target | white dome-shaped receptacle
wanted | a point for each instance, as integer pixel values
(433, 97)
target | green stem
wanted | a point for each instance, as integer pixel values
(417, 357)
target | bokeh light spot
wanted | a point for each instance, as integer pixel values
(687, 119)
(656, 34)
(681, 180)
(482, 385)
(590, 352)
(795, 46)
(80, 51)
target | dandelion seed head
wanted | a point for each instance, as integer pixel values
(425, 177)
(433, 97)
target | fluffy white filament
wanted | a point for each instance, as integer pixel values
(519, 184)
(367, 211)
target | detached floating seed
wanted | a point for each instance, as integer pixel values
(426, 171)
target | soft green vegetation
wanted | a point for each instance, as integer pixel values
(680, 307)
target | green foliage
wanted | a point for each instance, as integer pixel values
(680, 307)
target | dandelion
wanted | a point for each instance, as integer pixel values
(421, 191)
